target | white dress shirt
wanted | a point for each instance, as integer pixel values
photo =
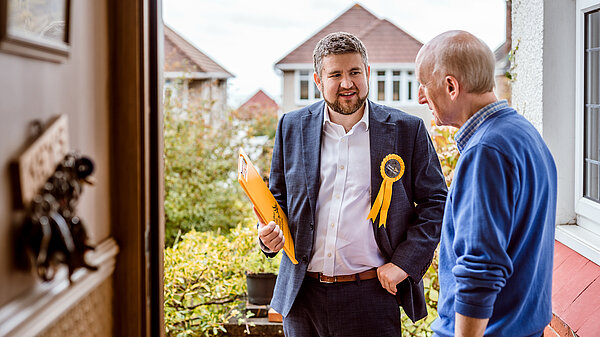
(344, 241)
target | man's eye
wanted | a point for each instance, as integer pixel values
(355, 73)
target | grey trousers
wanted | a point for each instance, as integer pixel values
(346, 309)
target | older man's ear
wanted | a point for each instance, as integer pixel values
(452, 87)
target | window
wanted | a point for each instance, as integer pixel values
(307, 91)
(585, 236)
(410, 80)
(587, 189)
(591, 99)
(393, 86)
(381, 85)
(396, 85)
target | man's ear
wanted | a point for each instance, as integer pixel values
(452, 87)
(317, 80)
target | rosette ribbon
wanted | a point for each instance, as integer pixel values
(392, 169)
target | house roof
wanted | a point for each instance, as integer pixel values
(258, 104)
(182, 56)
(385, 42)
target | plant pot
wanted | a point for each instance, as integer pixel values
(260, 287)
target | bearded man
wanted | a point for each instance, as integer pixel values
(363, 192)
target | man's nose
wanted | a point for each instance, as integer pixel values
(346, 82)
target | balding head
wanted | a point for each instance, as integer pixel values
(459, 54)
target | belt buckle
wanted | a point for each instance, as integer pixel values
(322, 280)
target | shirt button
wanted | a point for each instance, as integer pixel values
(337, 196)
(329, 255)
(342, 167)
(332, 225)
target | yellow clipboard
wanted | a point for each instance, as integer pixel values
(263, 201)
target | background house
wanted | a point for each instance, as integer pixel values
(260, 104)
(391, 53)
(196, 80)
(557, 86)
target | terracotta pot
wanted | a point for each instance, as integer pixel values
(260, 287)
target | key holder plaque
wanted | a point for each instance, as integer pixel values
(49, 180)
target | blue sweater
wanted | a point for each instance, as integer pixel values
(497, 239)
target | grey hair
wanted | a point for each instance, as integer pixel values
(338, 43)
(462, 55)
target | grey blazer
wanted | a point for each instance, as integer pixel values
(412, 230)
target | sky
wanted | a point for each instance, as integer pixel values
(247, 37)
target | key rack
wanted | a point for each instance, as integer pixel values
(50, 180)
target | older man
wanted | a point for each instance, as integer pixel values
(331, 161)
(498, 231)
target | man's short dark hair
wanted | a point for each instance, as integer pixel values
(338, 43)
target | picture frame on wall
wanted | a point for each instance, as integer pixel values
(35, 28)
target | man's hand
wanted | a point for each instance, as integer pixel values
(270, 234)
(390, 275)
(468, 326)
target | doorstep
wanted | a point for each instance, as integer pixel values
(266, 322)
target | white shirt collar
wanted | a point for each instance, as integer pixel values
(364, 120)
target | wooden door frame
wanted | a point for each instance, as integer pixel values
(137, 186)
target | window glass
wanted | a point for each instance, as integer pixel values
(591, 189)
(303, 89)
(381, 85)
(396, 85)
(409, 87)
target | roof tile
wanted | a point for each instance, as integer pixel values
(385, 42)
(181, 55)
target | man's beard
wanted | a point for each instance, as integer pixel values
(345, 109)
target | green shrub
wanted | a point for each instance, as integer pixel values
(445, 146)
(201, 189)
(204, 282)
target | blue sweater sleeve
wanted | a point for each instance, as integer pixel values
(483, 202)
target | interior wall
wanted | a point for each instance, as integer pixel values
(38, 90)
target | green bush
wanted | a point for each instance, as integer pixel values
(201, 188)
(204, 282)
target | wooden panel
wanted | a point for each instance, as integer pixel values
(38, 162)
(136, 171)
(92, 317)
(34, 311)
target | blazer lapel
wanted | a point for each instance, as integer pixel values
(382, 136)
(312, 126)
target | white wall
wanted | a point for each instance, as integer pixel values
(544, 88)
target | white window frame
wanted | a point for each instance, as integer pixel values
(585, 236)
(389, 78)
(312, 88)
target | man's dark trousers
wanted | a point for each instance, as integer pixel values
(346, 309)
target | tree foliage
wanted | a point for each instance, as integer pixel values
(201, 189)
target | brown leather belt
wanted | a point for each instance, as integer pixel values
(365, 275)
